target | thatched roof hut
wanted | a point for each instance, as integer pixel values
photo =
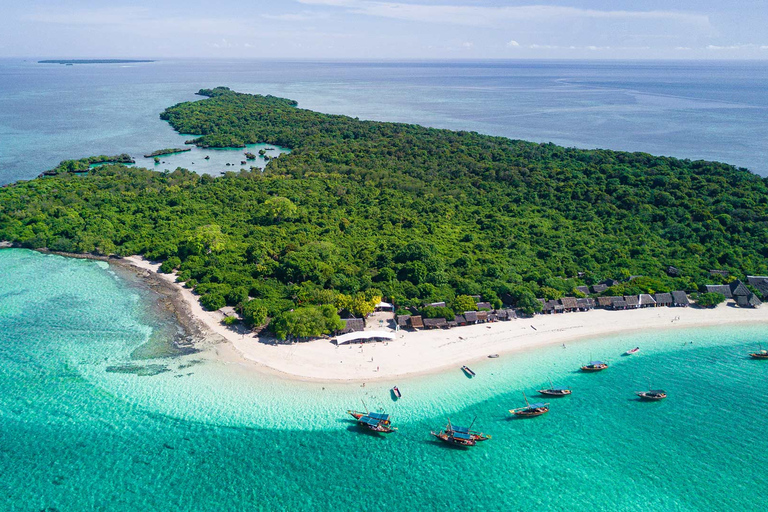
(680, 298)
(663, 299)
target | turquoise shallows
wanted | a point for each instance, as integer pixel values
(99, 412)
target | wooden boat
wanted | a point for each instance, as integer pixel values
(468, 371)
(594, 366)
(632, 351)
(760, 354)
(653, 395)
(530, 410)
(396, 392)
(460, 436)
(553, 391)
(374, 421)
(493, 356)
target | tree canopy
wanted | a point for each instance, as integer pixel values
(416, 214)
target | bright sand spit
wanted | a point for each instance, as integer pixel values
(434, 350)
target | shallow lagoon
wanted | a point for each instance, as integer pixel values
(207, 435)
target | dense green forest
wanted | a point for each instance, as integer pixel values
(369, 209)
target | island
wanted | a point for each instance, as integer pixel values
(434, 222)
(84, 164)
(70, 62)
(169, 151)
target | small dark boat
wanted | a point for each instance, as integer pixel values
(632, 351)
(468, 371)
(396, 392)
(553, 391)
(460, 436)
(594, 366)
(493, 356)
(375, 421)
(530, 410)
(653, 395)
(760, 354)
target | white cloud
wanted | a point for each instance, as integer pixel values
(750, 46)
(467, 44)
(299, 16)
(513, 44)
(489, 16)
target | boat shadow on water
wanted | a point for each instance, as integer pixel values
(365, 431)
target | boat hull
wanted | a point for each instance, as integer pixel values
(549, 392)
(758, 356)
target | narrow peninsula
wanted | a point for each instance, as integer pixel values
(93, 61)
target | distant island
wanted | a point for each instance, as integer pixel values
(169, 151)
(92, 61)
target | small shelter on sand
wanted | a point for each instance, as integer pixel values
(646, 301)
(680, 299)
(663, 299)
(435, 323)
(364, 336)
(416, 322)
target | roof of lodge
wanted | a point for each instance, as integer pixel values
(436, 304)
(583, 289)
(353, 325)
(459, 319)
(618, 302)
(604, 301)
(482, 315)
(720, 288)
(748, 300)
(471, 316)
(663, 298)
(402, 320)
(739, 288)
(569, 302)
(435, 322)
(586, 302)
(416, 321)
(631, 300)
(759, 282)
(680, 298)
(483, 305)
(501, 313)
(599, 288)
(646, 299)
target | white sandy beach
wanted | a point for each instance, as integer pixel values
(434, 350)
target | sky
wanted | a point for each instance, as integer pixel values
(397, 29)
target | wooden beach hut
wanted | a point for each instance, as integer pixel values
(599, 288)
(633, 302)
(353, 325)
(604, 302)
(403, 321)
(482, 316)
(760, 283)
(646, 301)
(484, 305)
(471, 317)
(663, 299)
(417, 322)
(435, 323)
(680, 299)
(583, 289)
(569, 304)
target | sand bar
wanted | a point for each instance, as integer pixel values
(431, 351)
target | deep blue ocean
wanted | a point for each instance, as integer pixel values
(697, 110)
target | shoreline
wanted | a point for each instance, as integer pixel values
(434, 351)
(412, 353)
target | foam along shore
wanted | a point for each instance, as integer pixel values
(421, 352)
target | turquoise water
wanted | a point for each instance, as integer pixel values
(181, 431)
